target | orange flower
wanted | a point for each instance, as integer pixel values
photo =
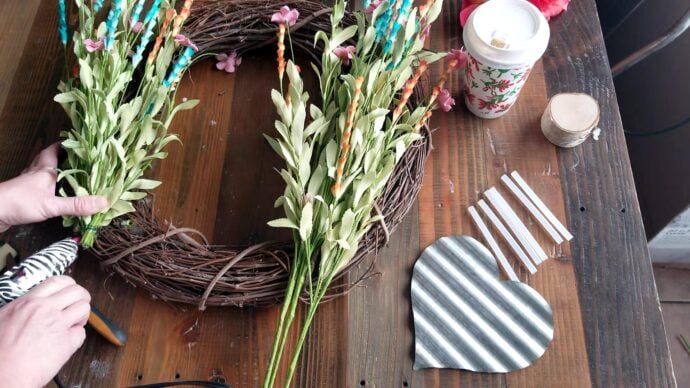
(345, 144)
(281, 51)
(159, 39)
(408, 89)
(452, 64)
(180, 19)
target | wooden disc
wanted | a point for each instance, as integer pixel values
(569, 119)
(574, 112)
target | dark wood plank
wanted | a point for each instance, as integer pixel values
(15, 15)
(626, 340)
(29, 119)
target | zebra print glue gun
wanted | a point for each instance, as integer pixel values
(53, 261)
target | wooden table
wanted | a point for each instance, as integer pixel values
(608, 326)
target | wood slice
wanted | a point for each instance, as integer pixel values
(569, 119)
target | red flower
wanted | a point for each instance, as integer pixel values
(548, 8)
(467, 7)
(502, 108)
(503, 84)
(551, 8)
(484, 104)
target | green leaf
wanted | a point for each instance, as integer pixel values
(283, 111)
(430, 56)
(434, 11)
(343, 244)
(346, 224)
(331, 153)
(144, 184)
(133, 195)
(341, 37)
(85, 75)
(316, 180)
(119, 208)
(65, 98)
(282, 223)
(306, 224)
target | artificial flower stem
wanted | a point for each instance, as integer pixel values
(311, 312)
(287, 315)
(90, 231)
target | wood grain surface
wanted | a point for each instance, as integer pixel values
(608, 327)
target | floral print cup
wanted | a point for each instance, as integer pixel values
(491, 91)
(503, 39)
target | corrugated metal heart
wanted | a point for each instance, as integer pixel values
(466, 317)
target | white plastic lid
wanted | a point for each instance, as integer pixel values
(506, 33)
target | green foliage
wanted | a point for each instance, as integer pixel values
(119, 121)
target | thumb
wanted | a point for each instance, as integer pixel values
(78, 206)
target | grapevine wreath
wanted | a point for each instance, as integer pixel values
(176, 263)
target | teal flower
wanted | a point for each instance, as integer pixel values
(181, 62)
(111, 23)
(136, 14)
(62, 22)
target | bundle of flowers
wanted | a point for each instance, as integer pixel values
(120, 100)
(340, 152)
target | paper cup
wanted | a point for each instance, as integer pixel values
(503, 39)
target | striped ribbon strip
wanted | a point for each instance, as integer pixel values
(465, 317)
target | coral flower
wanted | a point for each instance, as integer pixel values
(228, 62)
(92, 45)
(285, 16)
(344, 53)
(184, 41)
(445, 101)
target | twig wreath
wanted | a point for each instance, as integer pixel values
(177, 264)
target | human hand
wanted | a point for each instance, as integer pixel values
(41, 330)
(30, 197)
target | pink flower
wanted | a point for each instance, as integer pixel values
(551, 7)
(285, 16)
(183, 40)
(460, 56)
(344, 53)
(92, 45)
(445, 101)
(136, 28)
(228, 62)
(373, 5)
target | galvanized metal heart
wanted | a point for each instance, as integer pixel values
(466, 317)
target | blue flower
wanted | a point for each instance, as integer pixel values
(403, 14)
(152, 12)
(137, 12)
(62, 22)
(181, 62)
(111, 23)
(97, 5)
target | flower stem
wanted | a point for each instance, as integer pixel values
(311, 312)
(287, 315)
(90, 231)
